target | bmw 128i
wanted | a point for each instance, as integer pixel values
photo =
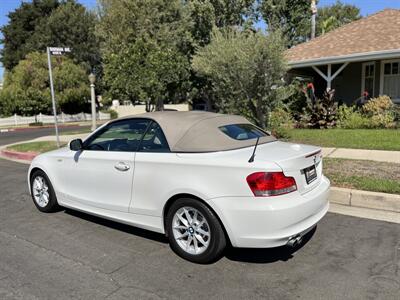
(205, 180)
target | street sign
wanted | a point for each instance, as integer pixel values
(55, 51)
(59, 50)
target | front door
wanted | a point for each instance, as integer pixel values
(101, 174)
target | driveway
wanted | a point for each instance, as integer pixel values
(74, 255)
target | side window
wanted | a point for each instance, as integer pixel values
(118, 136)
(154, 140)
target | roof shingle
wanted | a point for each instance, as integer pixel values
(378, 32)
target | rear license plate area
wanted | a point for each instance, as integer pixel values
(310, 174)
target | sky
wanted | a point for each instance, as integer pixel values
(367, 7)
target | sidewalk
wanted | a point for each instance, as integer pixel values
(375, 155)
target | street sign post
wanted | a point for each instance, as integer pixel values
(55, 51)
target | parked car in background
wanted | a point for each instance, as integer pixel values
(203, 179)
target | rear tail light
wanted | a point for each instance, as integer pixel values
(270, 184)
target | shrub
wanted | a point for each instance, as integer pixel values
(350, 118)
(113, 113)
(382, 121)
(396, 114)
(36, 124)
(380, 110)
(320, 113)
(280, 123)
(379, 105)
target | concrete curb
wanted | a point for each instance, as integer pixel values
(6, 130)
(24, 156)
(365, 199)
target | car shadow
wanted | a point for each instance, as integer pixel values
(267, 255)
(248, 255)
(147, 234)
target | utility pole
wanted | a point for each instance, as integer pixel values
(313, 17)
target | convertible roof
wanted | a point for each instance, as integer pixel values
(197, 131)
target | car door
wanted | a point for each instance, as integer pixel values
(153, 173)
(101, 174)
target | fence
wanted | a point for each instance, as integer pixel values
(16, 120)
(126, 110)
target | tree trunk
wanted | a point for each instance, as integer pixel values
(261, 114)
(209, 104)
(148, 106)
(160, 104)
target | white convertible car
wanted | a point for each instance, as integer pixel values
(205, 180)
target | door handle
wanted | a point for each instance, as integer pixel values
(121, 166)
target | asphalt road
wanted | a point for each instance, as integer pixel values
(71, 255)
(23, 135)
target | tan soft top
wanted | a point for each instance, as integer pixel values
(197, 131)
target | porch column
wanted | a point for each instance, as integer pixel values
(329, 77)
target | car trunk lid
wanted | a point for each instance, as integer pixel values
(295, 160)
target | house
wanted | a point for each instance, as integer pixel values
(359, 60)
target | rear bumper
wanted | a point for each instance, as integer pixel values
(264, 222)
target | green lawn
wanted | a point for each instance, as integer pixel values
(38, 147)
(81, 131)
(363, 175)
(378, 139)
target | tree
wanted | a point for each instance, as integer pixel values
(145, 71)
(21, 27)
(69, 25)
(145, 45)
(202, 16)
(26, 88)
(41, 23)
(292, 17)
(333, 16)
(246, 71)
(232, 12)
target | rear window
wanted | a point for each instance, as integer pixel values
(242, 132)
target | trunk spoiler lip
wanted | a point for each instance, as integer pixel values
(314, 153)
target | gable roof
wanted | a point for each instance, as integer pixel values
(374, 37)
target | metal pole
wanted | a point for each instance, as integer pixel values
(53, 100)
(93, 97)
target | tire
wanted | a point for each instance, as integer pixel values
(205, 235)
(45, 200)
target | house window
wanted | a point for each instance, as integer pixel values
(368, 78)
(391, 79)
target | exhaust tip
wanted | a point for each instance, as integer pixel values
(295, 241)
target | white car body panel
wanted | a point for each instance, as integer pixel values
(88, 181)
(90, 177)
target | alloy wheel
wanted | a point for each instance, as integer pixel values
(40, 191)
(191, 230)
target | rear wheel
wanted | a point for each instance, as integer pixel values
(194, 231)
(43, 194)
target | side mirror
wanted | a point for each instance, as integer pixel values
(76, 145)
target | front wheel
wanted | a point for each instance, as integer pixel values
(194, 231)
(43, 194)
